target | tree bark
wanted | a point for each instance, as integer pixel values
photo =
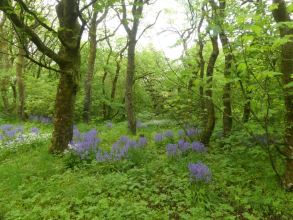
(247, 108)
(129, 83)
(4, 93)
(201, 64)
(64, 109)
(137, 9)
(69, 53)
(282, 15)
(20, 81)
(211, 118)
(227, 114)
(91, 68)
(4, 67)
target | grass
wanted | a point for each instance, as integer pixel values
(147, 185)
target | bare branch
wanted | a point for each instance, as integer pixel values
(149, 26)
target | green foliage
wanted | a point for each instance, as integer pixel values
(147, 185)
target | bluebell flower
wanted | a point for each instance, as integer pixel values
(181, 133)
(35, 130)
(6, 127)
(109, 124)
(10, 133)
(86, 142)
(172, 150)
(199, 172)
(158, 138)
(142, 142)
(191, 132)
(169, 134)
(198, 146)
(183, 145)
(124, 139)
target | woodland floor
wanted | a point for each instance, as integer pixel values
(147, 185)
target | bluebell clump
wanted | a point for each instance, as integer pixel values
(199, 172)
(40, 119)
(158, 138)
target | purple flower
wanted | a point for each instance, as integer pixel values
(172, 150)
(45, 120)
(181, 133)
(131, 144)
(86, 142)
(109, 125)
(35, 131)
(19, 129)
(10, 133)
(107, 156)
(169, 134)
(76, 133)
(199, 172)
(123, 139)
(6, 127)
(191, 132)
(158, 138)
(183, 145)
(99, 156)
(198, 146)
(142, 142)
(41, 119)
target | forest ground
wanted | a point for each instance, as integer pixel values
(146, 185)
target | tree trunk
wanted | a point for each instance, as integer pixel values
(105, 115)
(20, 81)
(201, 63)
(4, 93)
(211, 118)
(4, 67)
(247, 108)
(69, 75)
(91, 68)
(129, 102)
(106, 72)
(114, 85)
(64, 109)
(227, 114)
(281, 15)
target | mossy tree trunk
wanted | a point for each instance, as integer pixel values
(69, 52)
(19, 67)
(227, 114)
(4, 67)
(91, 68)
(137, 8)
(129, 83)
(211, 118)
(281, 14)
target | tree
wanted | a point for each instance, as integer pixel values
(211, 117)
(133, 37)
(91, 62)
(4, 66)
(281, 15)
(68, 59)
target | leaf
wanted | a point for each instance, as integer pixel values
(289, 85)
